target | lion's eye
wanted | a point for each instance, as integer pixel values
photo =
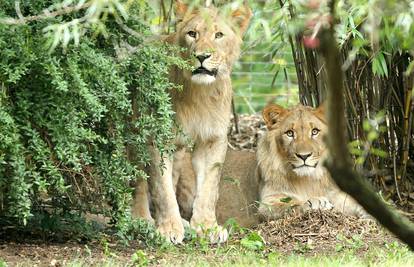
(219, 35)
(192, 34)
(315, 131)
(290, 133)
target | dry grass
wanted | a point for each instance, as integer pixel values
(246, 132)
(321, 230)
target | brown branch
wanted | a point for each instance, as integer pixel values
(339, 163)
(407, 126)
(235, 116)
(297, 61)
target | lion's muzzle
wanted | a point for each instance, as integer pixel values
(205, 71)
(202, 70)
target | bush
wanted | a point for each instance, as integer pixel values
(69, 114)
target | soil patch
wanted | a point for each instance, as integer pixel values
(40, 253)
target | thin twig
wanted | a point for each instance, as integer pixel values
(395, 176)
(309, 234)
(235, 116)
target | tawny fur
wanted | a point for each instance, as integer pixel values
(286, 184)
(238, 189)
(202, 113)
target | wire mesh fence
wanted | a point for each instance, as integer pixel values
(265, 72)
(260, 77)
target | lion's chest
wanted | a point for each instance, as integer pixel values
(309, 187)
(203, 114)
(203, 122)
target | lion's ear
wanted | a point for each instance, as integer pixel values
(320, 111)
(321, 107)
(181, 9)
(241, 17)
(271, 114)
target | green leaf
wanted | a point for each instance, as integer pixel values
(357, 152)
(379, 65)
(379, 152)
(366, 125)
(253, 241)
(355, 143)
(231, 180)
(360, 160)
(372, 136)
(285, 200)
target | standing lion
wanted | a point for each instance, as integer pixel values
(202, 113)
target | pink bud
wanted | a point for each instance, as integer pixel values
(310, 42)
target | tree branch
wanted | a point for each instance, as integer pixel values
(46, 14)
(339, 164)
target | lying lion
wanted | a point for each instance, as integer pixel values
(290, 165)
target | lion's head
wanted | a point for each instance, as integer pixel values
(212, 40)
(295, 137)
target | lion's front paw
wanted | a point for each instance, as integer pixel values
(172, 230)
(216, 234)
(319, 203)
(186, 223)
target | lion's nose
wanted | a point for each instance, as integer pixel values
(303, 156)
(203, 56)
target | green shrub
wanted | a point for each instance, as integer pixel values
(66, 114)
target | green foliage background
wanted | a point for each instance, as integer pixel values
(66, 117)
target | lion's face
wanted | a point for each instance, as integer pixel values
(298, 137)
(212, 42)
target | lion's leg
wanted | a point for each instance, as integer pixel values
(183, 185)
(186, 188)
(208, 159)
(346, 204)
(140, 205)
(177, 166)
(167, 214)
(274, 205)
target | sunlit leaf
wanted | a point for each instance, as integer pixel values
(285, 199)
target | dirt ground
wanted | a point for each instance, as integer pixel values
(315, 232)
(44, 254)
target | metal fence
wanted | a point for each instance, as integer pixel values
(260, 77)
